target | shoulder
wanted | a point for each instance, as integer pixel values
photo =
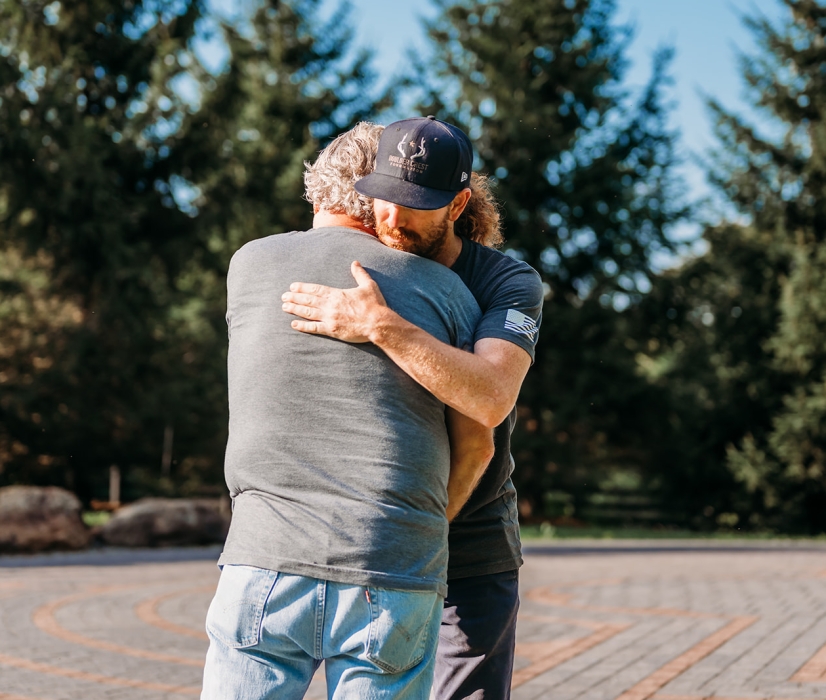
(428, 278)
(510, 293)
(499, 278)
(258, 247)
(501, 264)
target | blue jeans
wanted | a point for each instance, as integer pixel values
(269, 632)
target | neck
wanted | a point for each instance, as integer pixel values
(328, 218)
(450, 251)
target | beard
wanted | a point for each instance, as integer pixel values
(427, 242)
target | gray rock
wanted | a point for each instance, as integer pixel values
(166, 522)
(38, 519)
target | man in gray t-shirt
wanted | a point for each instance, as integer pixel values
(334, 452)
(340, 470)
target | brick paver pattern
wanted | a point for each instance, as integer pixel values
(600, 622)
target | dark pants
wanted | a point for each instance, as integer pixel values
(474, 660)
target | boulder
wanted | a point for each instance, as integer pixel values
(166, 522)
(38, 519)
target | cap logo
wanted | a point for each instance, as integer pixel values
(408, 162)
(412, 144)
(464, 177)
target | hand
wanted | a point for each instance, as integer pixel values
(345, 314)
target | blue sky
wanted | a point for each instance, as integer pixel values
(705, 33)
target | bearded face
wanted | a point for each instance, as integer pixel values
(424, 233)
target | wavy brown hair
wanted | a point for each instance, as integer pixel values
(481, 220)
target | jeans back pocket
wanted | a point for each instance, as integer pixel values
(234, 616)
(401, 629)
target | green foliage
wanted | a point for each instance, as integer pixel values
(780, 185)
(96, 518)
(701, 336)
(585, 174)
(129, 173)
(128, 176)
(85, 92)
(288, 86)
(743, 355)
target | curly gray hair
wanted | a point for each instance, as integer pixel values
(328, 183)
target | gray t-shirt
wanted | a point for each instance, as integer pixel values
(337, 461)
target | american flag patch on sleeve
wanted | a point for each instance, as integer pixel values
(518, 322)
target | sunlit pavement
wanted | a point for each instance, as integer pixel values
(681, 620)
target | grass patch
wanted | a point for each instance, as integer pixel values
(94, 518)
(546, 531)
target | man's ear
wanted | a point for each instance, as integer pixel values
(457, 206)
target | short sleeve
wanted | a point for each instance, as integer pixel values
(515, 311)
(466, 316)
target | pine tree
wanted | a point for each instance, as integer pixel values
(585, 175)
(700, 335)
(128, 176)
(746, 357)
(779, 184)
(86, 92)
(290, 85)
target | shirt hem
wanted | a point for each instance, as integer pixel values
(509, 337)
(356, 577)
(498, 567)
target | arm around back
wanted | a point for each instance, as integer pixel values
(471, 449)
(482, 385)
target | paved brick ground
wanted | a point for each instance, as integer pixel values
(599, 621)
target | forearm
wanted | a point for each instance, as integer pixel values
(464, 477)
(462, 380)
(471, 449)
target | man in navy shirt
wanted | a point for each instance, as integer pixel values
(478, 632)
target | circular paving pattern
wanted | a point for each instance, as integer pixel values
(598, 621)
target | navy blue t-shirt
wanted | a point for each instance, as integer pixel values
(484, 537)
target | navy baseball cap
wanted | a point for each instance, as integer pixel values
(421, 163)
